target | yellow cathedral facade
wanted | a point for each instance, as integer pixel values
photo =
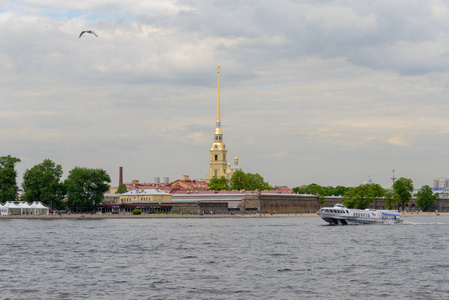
(218, 165)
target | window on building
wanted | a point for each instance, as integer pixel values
(216, 157)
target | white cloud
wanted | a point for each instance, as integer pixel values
(398, 141)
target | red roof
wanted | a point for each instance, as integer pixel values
(197, 187)
(181, 190)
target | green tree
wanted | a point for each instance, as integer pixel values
(267, 186)
(8, 176)
(390, 199)
(349, 199)
(300, 189)
(377, 191)
(318, 190)
(323, 191)
(218, 184)
(329, 190)
(315, 189)
(86, 188)
(403, 188)
(359, 197)
(238, 180)
(121, 189)
(340, 190)
(254, 182)
(425, 198)
(42, 183)
(248, 181)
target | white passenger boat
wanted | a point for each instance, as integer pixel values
(339, 214)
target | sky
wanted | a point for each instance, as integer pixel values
(326, 92)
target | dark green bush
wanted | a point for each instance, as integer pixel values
(137, 212)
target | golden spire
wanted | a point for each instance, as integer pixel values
(218, 95)
(218, 131)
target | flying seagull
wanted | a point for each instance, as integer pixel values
(88, 31)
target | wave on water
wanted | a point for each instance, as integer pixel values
(423, 223)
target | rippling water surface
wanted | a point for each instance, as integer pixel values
(223, 258)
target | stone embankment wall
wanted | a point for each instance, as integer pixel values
(197, 207)
(281, 203)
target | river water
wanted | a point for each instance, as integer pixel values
(223, 258)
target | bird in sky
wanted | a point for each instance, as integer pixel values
(88, 31)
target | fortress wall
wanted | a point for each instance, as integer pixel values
(200, 207)
(282, 203)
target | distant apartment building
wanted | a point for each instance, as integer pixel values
(441, 184)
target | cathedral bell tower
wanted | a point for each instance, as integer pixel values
(218, 160)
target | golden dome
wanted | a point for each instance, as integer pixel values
(218, 130)
(217, 146)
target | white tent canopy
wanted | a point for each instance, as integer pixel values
(39, 208)
(13, 208)
(3, 210)
(23, 208)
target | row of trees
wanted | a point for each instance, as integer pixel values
(314, 189)
(239, 181)
(363, 195)
(83, 188)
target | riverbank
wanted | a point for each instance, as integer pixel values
(169, 216)
(150, 216)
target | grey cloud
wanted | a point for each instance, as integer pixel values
(304, 89)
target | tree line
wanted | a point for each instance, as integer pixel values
(363, 195)
(239, 181)
(83, 189)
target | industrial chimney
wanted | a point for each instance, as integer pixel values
(120, 176)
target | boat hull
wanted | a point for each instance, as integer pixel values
(340, 215)
(348, 221)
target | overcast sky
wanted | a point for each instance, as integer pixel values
(312, 91)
